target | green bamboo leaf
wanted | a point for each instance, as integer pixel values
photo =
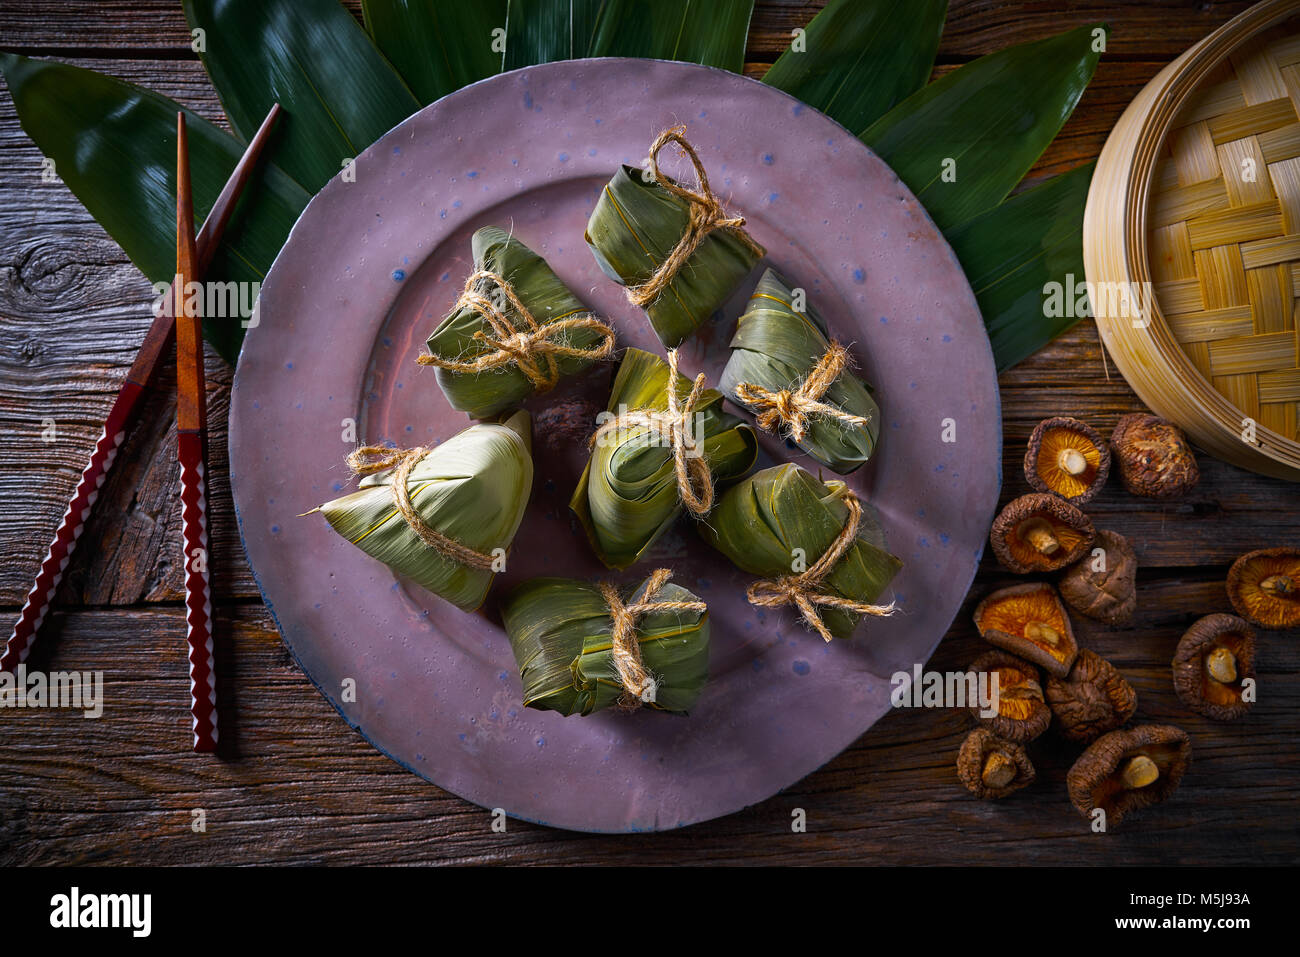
(700, 31)
(860, 57)
(338, 91)
(114, 145)
(712, 32)
(438, 47)
(987, 123)
(1012, 253)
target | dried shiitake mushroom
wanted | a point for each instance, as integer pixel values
(993, 767)
(1214, 659)
(1067, 457)
(1092, 700)
(1155, 459)
(1103, 586)
(1125, 771)
(1029, 621)
(1022, 713)
(1264, 587)
(1040, 533)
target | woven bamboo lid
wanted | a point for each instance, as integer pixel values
(1197, 193)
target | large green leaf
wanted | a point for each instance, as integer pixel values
(438, 47)
(966, 140)
(858, 58)
(338, 91)
(701, 31)
(114, 145)
(1013, 253)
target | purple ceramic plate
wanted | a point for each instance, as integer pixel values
(374, 263)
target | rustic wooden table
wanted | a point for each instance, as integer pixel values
(300, 786)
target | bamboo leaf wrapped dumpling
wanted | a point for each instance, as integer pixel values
(797, 381)
(675, 248)
(631, 489)
(465, 499)
(582, 648)
(515, 330)
(818, 546)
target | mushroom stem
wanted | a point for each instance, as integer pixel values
(1221, 664)
(1139, 772)
(1072, 462)
(1042, 631)
(1038, 533)
(999, 771)
(1277, 585)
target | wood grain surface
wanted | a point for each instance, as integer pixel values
(296, 784)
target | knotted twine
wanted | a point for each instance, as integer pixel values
(370, 459)
(803, 590)
(706, 215)
(638, 685)
(792, 409)
(531, 346)
(694, 480)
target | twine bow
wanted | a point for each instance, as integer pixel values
(638, 685)
(534, 348)
(694, 480)
(370, 459)
(706, 215)
(792, 409)
(803, 590)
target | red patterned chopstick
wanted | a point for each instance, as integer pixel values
(191, 443)
(126, 407)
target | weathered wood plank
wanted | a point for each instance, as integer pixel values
(300, 787)
(1156, 29)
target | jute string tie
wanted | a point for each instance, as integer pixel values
(694, 480)
(370, 459)
(638, 685)
(804, 590)
(532, 346)
(706, 215)
(790, 409)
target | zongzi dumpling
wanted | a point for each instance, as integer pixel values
(675, 248)
(516, 330)
(630, 490)
(797, 381)
(819, 547)
(582, 648)
(464, 501)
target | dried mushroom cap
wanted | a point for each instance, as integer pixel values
(1155, 459)
(993, 767)
(1029, 621)
(1022, 713)
(1067, 457)
(1125, 771)
(1040, 533)
(1264, 587)
(1213, 661)
(1092, 700)
(1103, 586)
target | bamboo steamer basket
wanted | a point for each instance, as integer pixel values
(1191, 241)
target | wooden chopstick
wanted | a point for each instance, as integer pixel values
(191, 446)
(124, 413)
